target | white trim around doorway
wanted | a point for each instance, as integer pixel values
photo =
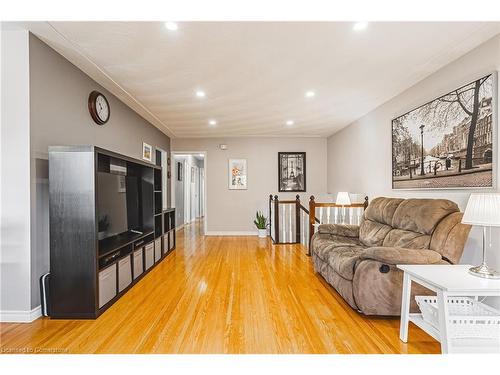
(174, 178)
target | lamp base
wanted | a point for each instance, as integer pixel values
(484, 271)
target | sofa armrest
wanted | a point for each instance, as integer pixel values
(400, 255)
(344, 230)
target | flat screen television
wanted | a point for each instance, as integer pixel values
(118, 204)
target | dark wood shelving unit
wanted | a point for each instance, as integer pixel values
(89, 274)
(169, 239)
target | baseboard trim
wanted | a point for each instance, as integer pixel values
(230, 233)
(13, 316)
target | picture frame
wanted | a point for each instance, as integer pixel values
(179, 171)
(237, 174)
(147, 151)
(448, 142)
(292, 172)
(122, 187)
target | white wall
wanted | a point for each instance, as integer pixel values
(359, 156)
(233, 211)
(15, 267)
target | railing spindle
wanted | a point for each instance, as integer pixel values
(297, 219)
(276, 219)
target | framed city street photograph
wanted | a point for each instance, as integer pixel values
(448, 143)
(292, 171)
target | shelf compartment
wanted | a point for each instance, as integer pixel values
(107, 285)
(138, 263)
(158, 249)
(149, 255)
(157, 180)
(110, 244)
(158, 202)
(158, 226)
(124, 273)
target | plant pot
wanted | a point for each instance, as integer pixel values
(262, 233)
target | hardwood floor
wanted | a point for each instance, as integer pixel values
(223, 295)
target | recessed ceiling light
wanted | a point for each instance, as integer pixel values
(212, 123)
(310, 94)
(200, 94)
(290, 122)
(358, 26)
(172, 26)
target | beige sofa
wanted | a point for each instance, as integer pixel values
(360, 261)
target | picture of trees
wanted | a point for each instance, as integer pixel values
(448, 142)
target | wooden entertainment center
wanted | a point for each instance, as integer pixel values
(108, 228)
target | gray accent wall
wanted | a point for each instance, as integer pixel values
(59, 116)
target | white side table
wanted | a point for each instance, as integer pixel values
(446, 281)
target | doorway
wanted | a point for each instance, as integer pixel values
(189, 188)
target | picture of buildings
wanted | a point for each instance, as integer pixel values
(448, 142)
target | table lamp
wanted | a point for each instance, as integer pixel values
(342, 200)
(483, 210)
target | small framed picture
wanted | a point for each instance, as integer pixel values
(237, 174)
(292, 171)
(147, 151)
(122, 187)
(179, 171)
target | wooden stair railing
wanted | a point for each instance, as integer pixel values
(291, 209)
(292, 223)
(313, 219)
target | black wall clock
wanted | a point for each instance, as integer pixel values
(99, 108)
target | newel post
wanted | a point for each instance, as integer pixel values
(312, 217)
(276, 219)
(297, 218)
(270, 218)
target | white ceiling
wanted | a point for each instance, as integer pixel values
(255, 74)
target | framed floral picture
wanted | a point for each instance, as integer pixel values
(237, 174)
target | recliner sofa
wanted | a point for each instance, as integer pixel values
(360, 261)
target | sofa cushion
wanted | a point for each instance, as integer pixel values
(400, 255)
(323, 244)
(382, 210)
(450, 236)
(372, 233)
(343, 260)
(344, 230)
(422, 215)
(341, 285)
(407, 239)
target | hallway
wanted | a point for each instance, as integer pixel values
(222, 295)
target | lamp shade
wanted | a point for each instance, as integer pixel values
(483, 209)
(343, 199)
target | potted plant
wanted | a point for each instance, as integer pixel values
(261, 224)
